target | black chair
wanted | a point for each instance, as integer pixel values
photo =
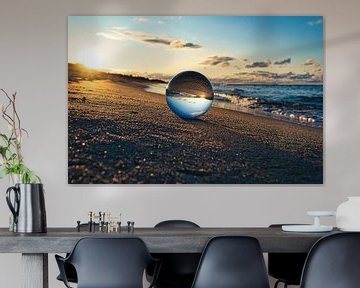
(70, 273)
(178, 269)
(108, 263)
(232, 262)
(286, 267)
(176, 224)
(69, 269)
(333, 262)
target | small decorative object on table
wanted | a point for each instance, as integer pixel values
(348, 215)
(27, 204)
(316, 227)
(102, 222)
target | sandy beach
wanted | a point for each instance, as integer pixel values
(119, 133)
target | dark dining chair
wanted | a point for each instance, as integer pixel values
(178, 269)
(232, 262)
(333, 262)
(286, 267)
(70, 271)
(108, 263)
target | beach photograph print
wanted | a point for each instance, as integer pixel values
(195, 99)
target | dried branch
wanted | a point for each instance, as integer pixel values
(12, 159)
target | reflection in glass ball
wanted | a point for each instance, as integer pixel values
(189, 94)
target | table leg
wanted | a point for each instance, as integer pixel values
(35, 270)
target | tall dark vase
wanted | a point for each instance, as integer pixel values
(27, 207)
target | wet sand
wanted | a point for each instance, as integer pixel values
(118, 133)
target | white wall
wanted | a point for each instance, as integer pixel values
(33, 62)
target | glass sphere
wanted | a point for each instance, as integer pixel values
(189, 94)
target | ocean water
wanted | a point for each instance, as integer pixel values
(302, 104)
(186, 106)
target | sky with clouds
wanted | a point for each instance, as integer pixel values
(237, 49)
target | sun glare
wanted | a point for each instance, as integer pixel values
(92, 58)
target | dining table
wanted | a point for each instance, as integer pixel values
(35, 247)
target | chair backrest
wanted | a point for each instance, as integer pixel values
(177, 268)
(286, 266)
(110, 262)
(232, 262)
(176, 224)
(333, 262)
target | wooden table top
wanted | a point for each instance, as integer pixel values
(158, 240)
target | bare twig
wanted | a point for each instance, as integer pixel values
(14, 123)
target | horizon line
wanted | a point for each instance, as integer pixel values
(213, 80)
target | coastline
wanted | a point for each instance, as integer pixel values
(230, 102)
(121, 133)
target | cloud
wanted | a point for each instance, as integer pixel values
(271, 77)
(147, 20)
(119, 33)
(141, 19)
(119, 27)
(311, 62)
(304, 76)
(107, 35)
(173, 17)
(261, 64)
(183, 44)
(224, 61)
(282, 62)
(157, 41)
(315, 22)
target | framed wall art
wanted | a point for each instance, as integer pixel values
(195, 99)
